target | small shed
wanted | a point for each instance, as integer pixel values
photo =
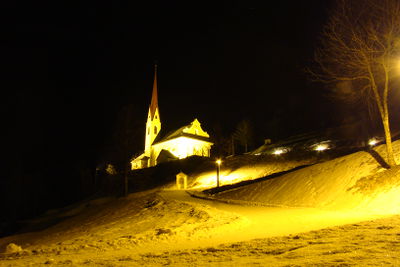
(181, 180)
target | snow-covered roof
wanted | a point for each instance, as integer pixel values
(192, 130)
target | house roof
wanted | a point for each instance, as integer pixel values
(182, 132)
(141, 157)
(166, 155)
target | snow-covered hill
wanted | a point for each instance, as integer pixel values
(353, 181)
(161, 227)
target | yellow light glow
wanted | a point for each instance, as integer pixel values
(218, 161)
(386, 202)
(207, 180)
(321, 147)
(195, 128)
(372, 142)
(183, 147)
(278, 151)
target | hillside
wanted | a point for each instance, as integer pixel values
(355, 181)
(308, 216)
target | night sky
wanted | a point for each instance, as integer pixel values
(69, 67)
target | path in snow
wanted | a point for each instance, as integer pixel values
(265, 221)
(177, 229)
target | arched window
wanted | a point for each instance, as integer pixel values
(155, 129)
(148, 131)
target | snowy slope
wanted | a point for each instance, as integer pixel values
(334, 184)
(370, 243)
(244, 168)
(169, 227)
(140, 223)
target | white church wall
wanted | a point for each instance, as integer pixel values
(183, 147)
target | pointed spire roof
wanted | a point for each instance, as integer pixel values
(154, 96)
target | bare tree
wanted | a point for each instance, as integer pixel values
(244, 134)
(360, 45)
(222, 144)
(125, 140)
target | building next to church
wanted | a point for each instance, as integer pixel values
(186, 141)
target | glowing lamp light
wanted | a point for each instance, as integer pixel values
(321, 147)
(278, 151)
(218, 161)
(372, 142)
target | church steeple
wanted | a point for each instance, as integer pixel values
(154, 96)
(153, 124)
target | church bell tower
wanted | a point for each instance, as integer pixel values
(153, 124)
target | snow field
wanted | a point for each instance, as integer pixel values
(334, 185)
(294, 220)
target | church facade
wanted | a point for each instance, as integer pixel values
(186, 141)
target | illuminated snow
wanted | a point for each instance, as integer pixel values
(288, 216)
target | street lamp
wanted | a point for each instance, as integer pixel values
(321, 147)
(218, 162)
(372, 142)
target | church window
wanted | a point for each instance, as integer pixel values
(148, 131)
(155, 129)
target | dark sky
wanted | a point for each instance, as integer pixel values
(69, 66)
(218, 60)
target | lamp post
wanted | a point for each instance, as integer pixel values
(218, 170)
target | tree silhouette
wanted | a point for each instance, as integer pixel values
(222, 144)
(126, 139)
(360, 45)
(244, 134)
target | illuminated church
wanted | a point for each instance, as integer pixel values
(186, 141)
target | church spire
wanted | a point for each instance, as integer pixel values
(153, 124)
(154, 96)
